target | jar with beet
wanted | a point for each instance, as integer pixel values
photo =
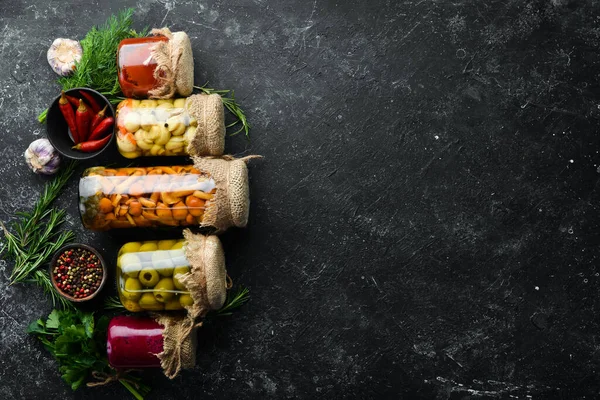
(134, 342)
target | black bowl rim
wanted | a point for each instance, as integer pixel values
(83, 156)
(72, 246)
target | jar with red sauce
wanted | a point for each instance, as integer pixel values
(159, 66)
(134, 342)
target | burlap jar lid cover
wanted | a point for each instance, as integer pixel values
(174, 65)
(209, 137)
(207, 284)
(231, 204)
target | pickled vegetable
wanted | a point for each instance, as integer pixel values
(144, 197)
(148, 279)
(134, 342)
(168, 127)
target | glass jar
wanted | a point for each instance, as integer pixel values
(171, 127)
(136, 65)
(144, 197)
(148, 276)
(159, 66)
(134, 342)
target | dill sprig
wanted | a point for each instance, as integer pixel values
(228, 97)
(97, 68)
(36, 235)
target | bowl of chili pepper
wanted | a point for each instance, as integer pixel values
(78, 272)
(80, 123)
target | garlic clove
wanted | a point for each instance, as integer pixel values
(63, 54)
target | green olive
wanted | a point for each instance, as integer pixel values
(173, 304)
(163, 291)
(161, 260)
(166, 244)
(132, 289)
(130, 247)
(178, 245)
(148, 302)
(130, 264)
(149, 277)
(186, 300)
(177, 272)
(148, 246)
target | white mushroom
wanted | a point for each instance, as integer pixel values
(62, 55)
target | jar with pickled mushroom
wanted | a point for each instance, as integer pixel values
(171, 127)
(172, 274)
(213, 194)
(144, 197)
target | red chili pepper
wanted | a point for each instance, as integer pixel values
(83, 118)
(69, 115)
(98, 118)
(92, 146)
(91, 101)
(103, 128)
(73, 100)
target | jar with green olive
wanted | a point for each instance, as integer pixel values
(149, 276)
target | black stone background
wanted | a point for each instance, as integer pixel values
(423, 225)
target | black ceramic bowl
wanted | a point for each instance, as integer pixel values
(59, 133)
(53, 263)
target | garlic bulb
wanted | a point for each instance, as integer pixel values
(42, 158)
(63, 54)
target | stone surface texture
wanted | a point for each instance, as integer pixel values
(424, 224)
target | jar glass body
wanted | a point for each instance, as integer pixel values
(134, 342)
(136, 66)
(154, 128)
(144, 197)
(149, 276)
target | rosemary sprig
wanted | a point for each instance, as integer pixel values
(42, 279)
(113, 303)
(36, 235)
(97, 68)
(234, 300)
(228, 97)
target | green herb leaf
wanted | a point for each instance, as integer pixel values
(228, 97)
(97, 68)
(36, 235)
(234, 300)
(37, 327)
(78, 342)
(88, 324)
(113, 303)
(53, 321)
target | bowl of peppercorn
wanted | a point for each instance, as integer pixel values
(78, 272)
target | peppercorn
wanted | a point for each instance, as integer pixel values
(77, 273)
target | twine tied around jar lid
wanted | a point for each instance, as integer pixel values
(207, 285)
(174, 65)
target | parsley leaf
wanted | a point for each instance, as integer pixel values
(78, 343)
